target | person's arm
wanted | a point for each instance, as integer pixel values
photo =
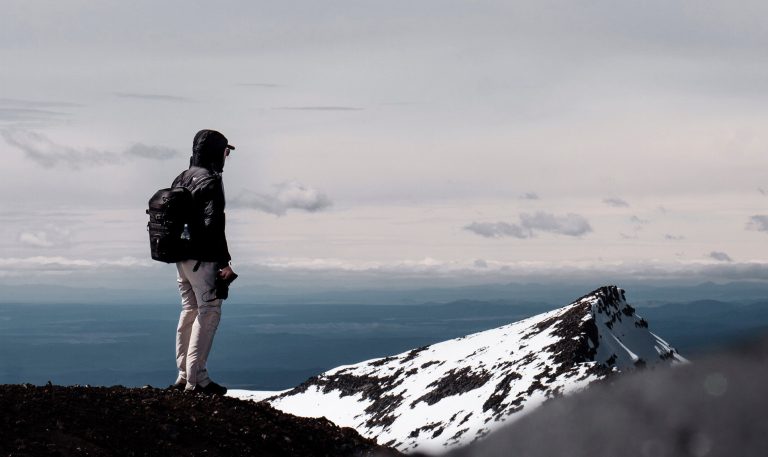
(214, 223)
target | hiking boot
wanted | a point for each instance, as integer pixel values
(178, 386)
(211, 389)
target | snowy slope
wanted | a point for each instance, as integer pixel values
(454, 392)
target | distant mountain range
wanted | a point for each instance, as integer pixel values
(452, 393)
(162, 289)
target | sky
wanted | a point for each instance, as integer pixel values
(445, 140)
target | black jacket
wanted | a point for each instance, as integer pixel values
(208, 241)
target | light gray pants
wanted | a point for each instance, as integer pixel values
(198, 321)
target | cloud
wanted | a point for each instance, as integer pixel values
(151, 152)
(615, 202)
(628, 237)
(318, 108)
(46, 153)
(37, 263)
(636, 220)
(762, 191)
(258, 85)
(720, 256)
(17, 102)
(498, 230)
(758, 222)
(37, 239)
(673, 237)
(285, 196)
(155, 97)
(480, 263)
(28, 114)
(324, 271)
(570, 225)
(530, 196)
(48, 238)
(13, 110)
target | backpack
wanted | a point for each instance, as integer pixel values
(170, 213)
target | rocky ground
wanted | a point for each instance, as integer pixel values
(118, 421)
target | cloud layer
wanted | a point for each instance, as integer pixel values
(153, 97)
(570, 224)
(48, 154)
(318, 108)
(413, 121)
(285, 196)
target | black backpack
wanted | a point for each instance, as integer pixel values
(170, 213)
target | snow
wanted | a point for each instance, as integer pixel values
(253, 395)
(315, 403)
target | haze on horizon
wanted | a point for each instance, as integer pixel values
(460, 141)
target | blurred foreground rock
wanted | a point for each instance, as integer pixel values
(710, 408)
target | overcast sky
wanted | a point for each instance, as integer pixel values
(461, 138)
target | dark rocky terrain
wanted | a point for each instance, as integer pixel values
(117, 421)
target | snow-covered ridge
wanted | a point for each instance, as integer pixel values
(456, 391)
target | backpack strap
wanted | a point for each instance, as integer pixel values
(195, 182)
(207, 178)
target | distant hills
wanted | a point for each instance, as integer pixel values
(160, 290)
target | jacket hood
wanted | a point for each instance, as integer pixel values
(208, 150)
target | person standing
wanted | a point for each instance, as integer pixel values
(203, 277)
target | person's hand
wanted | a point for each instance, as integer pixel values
(226, 273)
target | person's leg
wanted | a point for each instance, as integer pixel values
(186, 320)
(205, 323)
(200, 344)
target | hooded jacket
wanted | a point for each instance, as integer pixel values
(207, 239)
